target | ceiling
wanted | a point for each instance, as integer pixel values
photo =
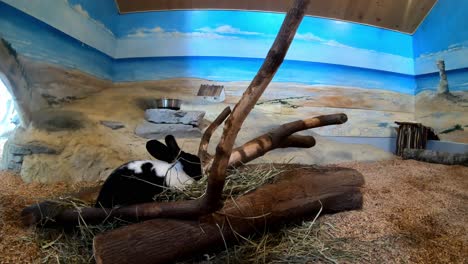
(400, 15)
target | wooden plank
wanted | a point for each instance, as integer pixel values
(401, 15)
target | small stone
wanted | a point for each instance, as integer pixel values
(42, 149)
(112, 124)
(168, 116)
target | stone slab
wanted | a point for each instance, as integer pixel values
(112, 124)
(167, 116)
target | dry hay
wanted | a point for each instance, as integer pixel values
(413, 212)
(17, 243)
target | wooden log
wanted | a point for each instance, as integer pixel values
(281, 138)
(436, 156)
(298, 194)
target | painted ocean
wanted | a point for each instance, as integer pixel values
(244, 69)
(37, 40)
(457, 79)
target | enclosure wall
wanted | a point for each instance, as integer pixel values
(443, 35)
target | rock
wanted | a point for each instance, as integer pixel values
(15, 149)
(33, 147)
(112, 124)
(13, 154)
(27, 100)
(167, 116)
(155, 131)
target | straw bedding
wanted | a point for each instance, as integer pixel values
(413, 212)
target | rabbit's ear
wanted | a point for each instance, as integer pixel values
(172, 146)
(159, 151)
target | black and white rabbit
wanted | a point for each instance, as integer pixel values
(139, 181)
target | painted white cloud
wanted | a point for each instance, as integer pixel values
(227, 29)
(78, 8)
(308, 36)
(311, 37)
(162, 33)
(143, 32)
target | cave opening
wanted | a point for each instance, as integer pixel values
(8, 114)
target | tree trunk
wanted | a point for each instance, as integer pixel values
(298, 193)
(436, 156)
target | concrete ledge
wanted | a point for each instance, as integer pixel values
(389, 144)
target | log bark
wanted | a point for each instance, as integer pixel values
(281, 138)
(298, 194)
(436, 156)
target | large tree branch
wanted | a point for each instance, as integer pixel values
(275, 57)
(281, 138)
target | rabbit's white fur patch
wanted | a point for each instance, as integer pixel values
(173, 172)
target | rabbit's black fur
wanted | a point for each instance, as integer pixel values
(139, 181)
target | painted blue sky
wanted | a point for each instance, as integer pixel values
(446, 27)
(261, 25)
(103, 11)
(241, 24)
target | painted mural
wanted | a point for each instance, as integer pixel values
(331, 66)
(442, 97)
(38, 41)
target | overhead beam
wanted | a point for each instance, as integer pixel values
(399, 15)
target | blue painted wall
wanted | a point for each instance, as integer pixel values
(458, 81)
(102, 11)
(244, 69)
(443, 35)
(34, 39)
(234, 34)
(446, 27)
(227, 46)
(217, 45)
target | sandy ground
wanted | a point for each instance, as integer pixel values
(443, 114)
(413, 212)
